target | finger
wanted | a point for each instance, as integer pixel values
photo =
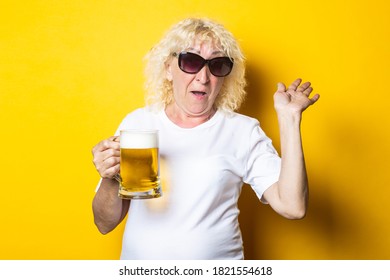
(307, 91)
(106, 167)
(110, 162)
(110, 153)
(110, 172)
(315, 98)
(295, 84)
(106, 144)
(304, 86)
(281, 87)
(106, 154)
(100, 157)
(115, 138)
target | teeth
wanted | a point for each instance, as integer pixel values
(199, 92)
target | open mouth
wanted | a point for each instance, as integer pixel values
(199, 93)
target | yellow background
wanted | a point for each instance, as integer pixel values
(71, 70)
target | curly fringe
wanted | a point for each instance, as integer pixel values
(159, 91)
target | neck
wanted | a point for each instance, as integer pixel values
(185, 120)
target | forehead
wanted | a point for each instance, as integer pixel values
(201, 46)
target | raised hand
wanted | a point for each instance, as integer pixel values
(294, 99)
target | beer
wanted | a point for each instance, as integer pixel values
(139, 165)
(139, 169)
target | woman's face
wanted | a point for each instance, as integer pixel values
(195, 94)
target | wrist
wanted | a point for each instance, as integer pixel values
(110, 183)
(289, 117)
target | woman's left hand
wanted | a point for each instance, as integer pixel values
(294, 99)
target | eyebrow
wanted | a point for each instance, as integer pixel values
(198, 52)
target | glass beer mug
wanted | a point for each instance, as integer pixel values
(139, 176)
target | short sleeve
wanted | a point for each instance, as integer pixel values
(263, 163)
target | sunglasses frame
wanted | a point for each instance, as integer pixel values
(204, 62)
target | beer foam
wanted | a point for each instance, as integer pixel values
(133, 139)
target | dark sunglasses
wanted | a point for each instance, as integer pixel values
(192, 63)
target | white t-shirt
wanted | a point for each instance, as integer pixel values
(202, 171)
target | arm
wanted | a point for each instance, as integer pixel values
(289, 196)
(108, 209)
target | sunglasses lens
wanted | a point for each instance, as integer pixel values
(220, 66)
(191, 63)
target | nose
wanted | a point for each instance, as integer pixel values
(203, 75)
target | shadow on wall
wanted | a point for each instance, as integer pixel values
(337, 225)
(259, 101)
(267, 235)
(252, 215)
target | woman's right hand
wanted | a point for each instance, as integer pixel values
(106, 157)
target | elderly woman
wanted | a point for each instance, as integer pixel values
(195, 82)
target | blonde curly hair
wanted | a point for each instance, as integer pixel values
(159, 90)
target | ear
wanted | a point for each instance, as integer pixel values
(168, 69)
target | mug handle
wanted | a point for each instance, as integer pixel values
(118, 178)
